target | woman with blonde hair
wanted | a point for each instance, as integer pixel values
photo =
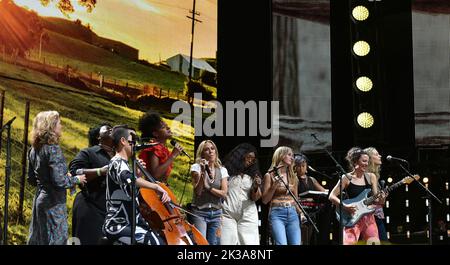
(283, 215)
(210, 189)
(374, 167)
(48, 171)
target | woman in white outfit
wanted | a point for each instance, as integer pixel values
(240, 214)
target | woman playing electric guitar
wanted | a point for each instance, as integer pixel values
(354, 183)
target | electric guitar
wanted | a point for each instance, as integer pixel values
(364, 203)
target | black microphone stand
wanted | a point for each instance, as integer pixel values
(133, 194)
(275, 171)
(341, 227)
(429, 196)
(7, 127)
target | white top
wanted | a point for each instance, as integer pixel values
(196, 168)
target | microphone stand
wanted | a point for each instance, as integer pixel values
(7, 127)
(133, 195)
(341, 227)
(429, 196)
(275, 171)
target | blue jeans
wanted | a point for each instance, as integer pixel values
(285, 226)
(208, 223)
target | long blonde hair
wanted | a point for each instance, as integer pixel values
(200, 149)
(375, 169)
(43, 131)
(278, 156)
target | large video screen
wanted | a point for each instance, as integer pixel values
(302, 71)
(431, 59)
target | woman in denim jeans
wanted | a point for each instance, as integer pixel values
(283, 215)
(210, 188)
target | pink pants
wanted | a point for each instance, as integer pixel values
(366, 226)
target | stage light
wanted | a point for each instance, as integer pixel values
(406, 203)
(324, 183)
(365, 120)
(389, 180)
(425, 180)
(446, 185)
(364, 84)
(387, 204)
(407, 218)
(361, 48)
(388, 219)
(406, 188)
(360, 13)
(408, 234)
(447, 201)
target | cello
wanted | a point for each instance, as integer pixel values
(167, 216)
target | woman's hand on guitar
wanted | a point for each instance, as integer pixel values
(382, 198)
(349, 208)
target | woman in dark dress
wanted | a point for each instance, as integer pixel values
(48, 172)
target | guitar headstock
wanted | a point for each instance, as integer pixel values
(407, 180)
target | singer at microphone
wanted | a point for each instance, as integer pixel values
(158, 159)
(178, 146)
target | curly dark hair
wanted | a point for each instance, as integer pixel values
(148, 123)
(353, 156)
(234, 161)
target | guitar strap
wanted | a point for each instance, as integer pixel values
(368, 181)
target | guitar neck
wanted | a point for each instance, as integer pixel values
(371, 199)
(394, 186)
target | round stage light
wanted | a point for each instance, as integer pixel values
(425, 180)
(364, 84)
(360, 13)
(365, 120)
(390, 180)
(361, 48)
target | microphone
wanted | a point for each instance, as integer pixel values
(391, 158)
(315, 138)
(275, 168)
(138, 147)
(173, 143)
(382, 183)
(208, 170)
(312, 169)
(318, 172)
